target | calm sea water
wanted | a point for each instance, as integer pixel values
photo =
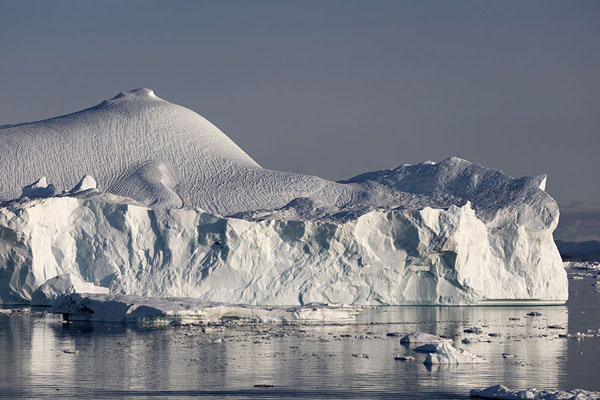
(118, 361)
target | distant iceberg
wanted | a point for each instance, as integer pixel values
(170, 207)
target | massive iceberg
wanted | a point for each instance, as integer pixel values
(176, 209)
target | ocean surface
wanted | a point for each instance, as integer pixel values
(40, 357)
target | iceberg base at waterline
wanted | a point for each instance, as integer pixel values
(185, 311)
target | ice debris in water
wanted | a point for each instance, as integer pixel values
(404, 358)
(445, 353)
(121, 308)
(502, 392)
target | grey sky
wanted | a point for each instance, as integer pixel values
(335, 88)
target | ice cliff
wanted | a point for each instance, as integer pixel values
(176, 209)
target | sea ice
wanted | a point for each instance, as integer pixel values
(502, 392)
(445, 353)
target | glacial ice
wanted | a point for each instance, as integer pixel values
(115, 308)
(502, 392)
(179, 210)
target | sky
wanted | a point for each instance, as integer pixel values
(335, 88)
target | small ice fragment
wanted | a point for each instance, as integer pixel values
(534, 314)
(445, 353)
(404, 358)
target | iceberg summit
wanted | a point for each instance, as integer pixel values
(141, 197)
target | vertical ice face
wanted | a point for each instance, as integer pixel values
(428, 256)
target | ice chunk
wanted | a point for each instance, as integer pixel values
(53, 288)
(38, 189)
(502, 392)
(445, 353)
(421, 337)
(404, 358)
(113, 308)
(86, 183)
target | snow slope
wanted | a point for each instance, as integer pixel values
(175, 208)
(142, 147)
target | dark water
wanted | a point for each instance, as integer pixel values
(117, 361)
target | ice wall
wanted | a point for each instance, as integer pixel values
(425, 256)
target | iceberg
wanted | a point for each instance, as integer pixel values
(169, 206)
(445, 353)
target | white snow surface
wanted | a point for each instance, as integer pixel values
(179, 210)
(445, 353)
(502, 392)
(111, 308)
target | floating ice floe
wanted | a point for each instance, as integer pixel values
(592, 266)
(502, 392)
(115, 308)
(445, 353)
